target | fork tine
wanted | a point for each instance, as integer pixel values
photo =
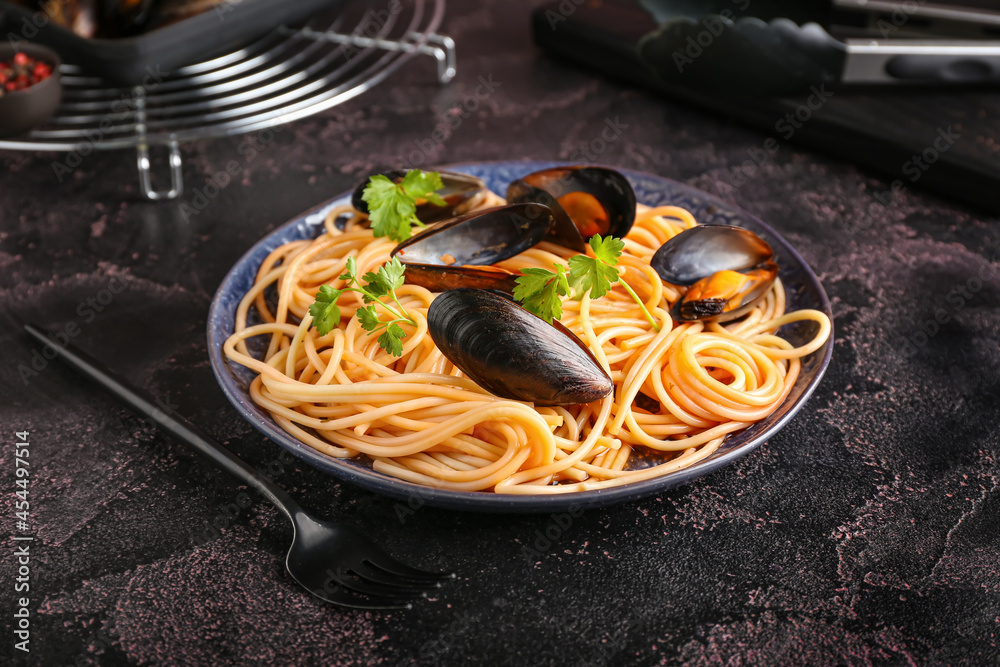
(345, 598)
(360, 584)
(372, 573)
(393, 566)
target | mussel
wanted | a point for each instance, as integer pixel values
(462, 193)
(82, 17)
(511, 352)
(126, 17)
(585, 200)
(458, 252)
(729, 269)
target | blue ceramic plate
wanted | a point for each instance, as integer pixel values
(804, 291)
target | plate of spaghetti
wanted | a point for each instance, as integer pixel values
(400, 418)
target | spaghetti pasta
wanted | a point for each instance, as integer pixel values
(678, 392)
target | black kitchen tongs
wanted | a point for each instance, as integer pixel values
(779, 46)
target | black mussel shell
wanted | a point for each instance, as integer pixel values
(460, 191)
(699, 252)
(444, 278)
(585, 200)
(701, 257)
(121, 18)
(458, 252)
(511, 352)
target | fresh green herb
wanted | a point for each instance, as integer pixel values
(392, 340)
(325, 311)
(368, 318)
(385, 281)
(392, 207)
(596, 274)
(377, 286)
(539, 290)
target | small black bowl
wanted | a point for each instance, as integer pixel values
(22, 110)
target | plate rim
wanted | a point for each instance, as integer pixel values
(417, 495)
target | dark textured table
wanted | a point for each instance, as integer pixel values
(866, 532)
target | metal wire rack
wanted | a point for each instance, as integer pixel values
(289, 74)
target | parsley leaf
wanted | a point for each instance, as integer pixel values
(351, 272)
(325, 311)
(391, 340)
(368, 318)
(598, 273)
(392, 207)
(608, 249)
(539, 290)
(392, 273)
(388, 278)
(383, 283)
(423, 185)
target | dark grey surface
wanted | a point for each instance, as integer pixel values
(866, 532)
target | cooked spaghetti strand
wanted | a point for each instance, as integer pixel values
(679, 392)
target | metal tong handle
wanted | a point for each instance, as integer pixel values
(921, 61)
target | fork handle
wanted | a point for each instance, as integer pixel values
(166, 418)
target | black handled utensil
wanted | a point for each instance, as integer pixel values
(334, 562)
(779, 56)
(881, 130)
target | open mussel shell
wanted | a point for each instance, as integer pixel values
(585, 201)
(729, 269)
(726, 295)
(462, 193)
(700, 251)
(458, 252)
(511, 352)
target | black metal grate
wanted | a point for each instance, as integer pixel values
(286, 75)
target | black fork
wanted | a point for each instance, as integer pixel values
(334, 562)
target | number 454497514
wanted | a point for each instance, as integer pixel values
(21, 452)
